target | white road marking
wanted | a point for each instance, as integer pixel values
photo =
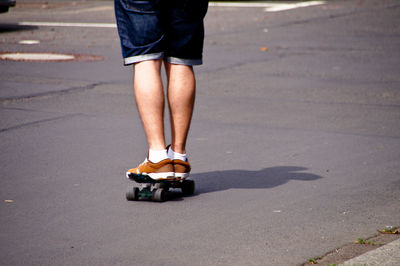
(282, 7)
(90, 9)
(68, 24)
(29, 42)
(241, 4)
(268, 6)
(35, 57)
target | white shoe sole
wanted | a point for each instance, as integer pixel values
(181, 175)
(156, 176)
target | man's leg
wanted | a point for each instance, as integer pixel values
(149, 95)
(181, 97)
(150, 101)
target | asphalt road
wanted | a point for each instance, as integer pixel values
(295, 141)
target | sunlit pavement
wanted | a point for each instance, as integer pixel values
(294, 143)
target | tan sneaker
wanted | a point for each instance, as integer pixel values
(181, 169)
(156, 171)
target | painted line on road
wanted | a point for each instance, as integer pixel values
(68, 24)
(90, 9)
(241, 4)
(268, 6)
(282, 7)
(29, 42)
(36, 57)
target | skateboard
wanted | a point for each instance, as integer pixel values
(156, 190)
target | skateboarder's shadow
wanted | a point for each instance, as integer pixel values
(265, 178)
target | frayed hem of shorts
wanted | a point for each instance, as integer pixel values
(140, 58)
(182, 61)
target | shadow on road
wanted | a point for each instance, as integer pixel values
(265, 178)
(15, 27)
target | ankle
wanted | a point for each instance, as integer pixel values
(176, 155)
(178, 148)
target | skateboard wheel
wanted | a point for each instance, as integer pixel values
(132, 194)
(158, 195)
(188, 187)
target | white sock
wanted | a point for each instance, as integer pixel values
(176, 156)
(156, 156)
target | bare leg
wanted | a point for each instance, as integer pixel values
(181, 97)
(150, 101)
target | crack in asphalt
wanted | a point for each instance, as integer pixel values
(30, 110)
(37, 122)
(51, 93)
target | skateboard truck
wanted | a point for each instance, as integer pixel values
(156, 190)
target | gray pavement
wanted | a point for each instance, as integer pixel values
(295, 148)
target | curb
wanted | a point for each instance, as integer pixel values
(388, 255)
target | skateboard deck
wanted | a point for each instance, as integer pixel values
(156, 190)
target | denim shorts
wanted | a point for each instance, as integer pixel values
(172, 30)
